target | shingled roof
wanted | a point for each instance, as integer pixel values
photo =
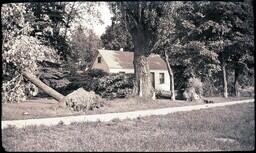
(124, 60)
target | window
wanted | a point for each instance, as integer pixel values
(99, 59)
(161, 78)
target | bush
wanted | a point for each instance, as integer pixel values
(113, 86)
(212, 87)
(108, 86)
(96, 73)
(194, 89)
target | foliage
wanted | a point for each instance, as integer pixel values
(22, 56)
(141, 21)
(21, 52)
(117, 37)
(98, 73)
(224, 28)
(114, 85)
(34, 32)
(54, 78)
(47, 21)
(201, 36)
(107, 86)
(84, 44)
(194, 89)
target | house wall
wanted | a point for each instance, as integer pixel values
(166, 85)
(103, 65)
(158, 86)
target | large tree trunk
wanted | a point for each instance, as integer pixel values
(143, 86)
(50, 91)
(171, 75)
(225, 85)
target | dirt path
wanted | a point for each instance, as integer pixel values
(110, 116)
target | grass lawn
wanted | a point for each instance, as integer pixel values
(230, 128)
(42, 108)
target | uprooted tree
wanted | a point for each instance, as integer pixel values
(21, 52)
(31, 34)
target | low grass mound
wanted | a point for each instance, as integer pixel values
(82, 100)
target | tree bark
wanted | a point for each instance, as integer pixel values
(170, 74)
(143, 86)
(50, 91)
(225, 85)
(236, 83)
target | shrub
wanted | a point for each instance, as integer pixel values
(96, 73)
(108, 86)
(212, 87)
(113, 86)
(194, 89)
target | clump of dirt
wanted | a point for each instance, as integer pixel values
(82, 100)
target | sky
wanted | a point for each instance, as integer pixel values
(106, 17)
(91, 22)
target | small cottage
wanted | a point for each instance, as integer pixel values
(122, 62)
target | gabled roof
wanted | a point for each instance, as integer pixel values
(124, 60)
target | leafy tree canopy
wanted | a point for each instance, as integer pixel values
(117, 37)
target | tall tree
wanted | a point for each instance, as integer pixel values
(84, 44)
(218, 27)
(177, 51)
(32, 33)
(53, 21)
(49, 19)
(141, 19)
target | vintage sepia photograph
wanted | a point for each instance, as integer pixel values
(125, 76)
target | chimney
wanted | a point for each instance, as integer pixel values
(121, 49)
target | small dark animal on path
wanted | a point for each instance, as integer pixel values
(207, 101)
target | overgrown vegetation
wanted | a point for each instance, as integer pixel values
(33, 33)
(107, 86)
(194, 90)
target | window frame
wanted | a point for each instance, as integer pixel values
(161, 78)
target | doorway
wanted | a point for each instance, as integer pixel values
(152, 77)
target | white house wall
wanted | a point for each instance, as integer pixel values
(166, 85)
(158, 86)
(103, 65)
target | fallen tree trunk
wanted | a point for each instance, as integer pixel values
(79, 100)
(50, 91)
